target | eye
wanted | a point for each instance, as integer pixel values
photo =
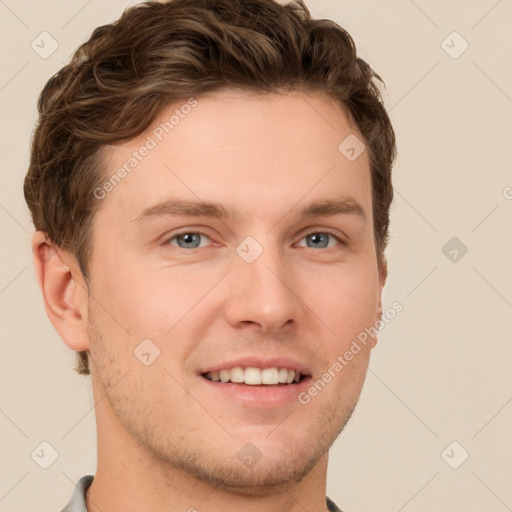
(186, 240)
(314, 240)
(320, 239)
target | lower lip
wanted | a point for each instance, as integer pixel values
(258, 396)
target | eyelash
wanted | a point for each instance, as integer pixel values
(315, 231)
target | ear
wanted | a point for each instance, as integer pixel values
(383, 274)
(64, 291)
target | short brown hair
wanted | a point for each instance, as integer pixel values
(158, 53)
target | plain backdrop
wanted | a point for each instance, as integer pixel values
(439, 388)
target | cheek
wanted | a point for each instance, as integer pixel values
(346, 301)
(146, 304)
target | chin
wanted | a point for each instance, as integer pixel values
(270, 473)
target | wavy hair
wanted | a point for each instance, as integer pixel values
(158, 53)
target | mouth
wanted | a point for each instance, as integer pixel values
(252, 376)
(255, 382)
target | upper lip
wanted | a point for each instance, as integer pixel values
(259, 362)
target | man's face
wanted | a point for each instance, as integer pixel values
(259, 288)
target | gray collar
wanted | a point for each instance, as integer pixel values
(77, 501)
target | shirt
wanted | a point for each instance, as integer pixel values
(77, 501)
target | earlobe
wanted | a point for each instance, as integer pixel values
(64, 291)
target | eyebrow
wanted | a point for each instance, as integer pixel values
(341, 205)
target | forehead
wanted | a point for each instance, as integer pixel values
(246, 150)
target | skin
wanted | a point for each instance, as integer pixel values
(166, 441)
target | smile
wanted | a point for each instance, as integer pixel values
(252, 376)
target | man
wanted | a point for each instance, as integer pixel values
(210, 183)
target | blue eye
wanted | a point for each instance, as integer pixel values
(320, 239)
(192, 240)
(187, 240)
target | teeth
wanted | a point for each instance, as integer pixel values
(254, 376)
(270, 376)
(237, 374)
(283, 375)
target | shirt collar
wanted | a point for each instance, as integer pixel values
(77, 501)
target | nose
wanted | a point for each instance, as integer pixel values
(263, 294)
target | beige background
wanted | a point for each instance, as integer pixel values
(442, 369)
